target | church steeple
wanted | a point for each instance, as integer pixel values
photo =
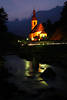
(34, 20)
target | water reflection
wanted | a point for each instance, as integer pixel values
(28, 67)
(21, 70)
(42, 81)
(41, 69)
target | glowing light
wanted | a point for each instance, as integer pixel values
(32, 39)
(19, 41)
(42, 81)
(43, 35)
(43, 67)
(27, 38)
(39, 39)
(22, 44)
(39, 32)
(45, 43)
(33, 44)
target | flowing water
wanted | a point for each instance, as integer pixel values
(20, 69)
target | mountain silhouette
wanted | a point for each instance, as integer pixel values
(23, 27)
(20, 28)
(53, 14)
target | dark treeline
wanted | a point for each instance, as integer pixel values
(58, 30)
(7, 39)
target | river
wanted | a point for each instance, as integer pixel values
(19, 69)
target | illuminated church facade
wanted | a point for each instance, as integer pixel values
(37, 30)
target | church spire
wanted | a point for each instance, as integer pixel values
(34, 20)
(34, 13)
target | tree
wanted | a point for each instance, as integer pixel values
(49, 28)
(3, 30)
(63, 21)
(64, 14)
(3, 19)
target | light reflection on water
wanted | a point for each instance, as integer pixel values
(21, 70)
(42, 81)
(18, 67)
(41, 69)
(28, 67)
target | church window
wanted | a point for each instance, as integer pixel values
(34, 23)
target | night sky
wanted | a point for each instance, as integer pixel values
(23, 8)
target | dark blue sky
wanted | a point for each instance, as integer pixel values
(23, 8)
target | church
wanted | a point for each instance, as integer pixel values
(37, 30)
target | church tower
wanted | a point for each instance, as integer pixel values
(34, 20)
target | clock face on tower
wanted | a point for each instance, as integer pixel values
(34, 23)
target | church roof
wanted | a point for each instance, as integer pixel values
(37, 28)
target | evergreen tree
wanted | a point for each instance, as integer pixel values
(49, 28)
(64, 14)
(63, 21)
(3, 19)
(3, 30)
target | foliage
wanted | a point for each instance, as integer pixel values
(64, 14)
(3, 28)
(63, 21)
(3, 19)
(58, 30)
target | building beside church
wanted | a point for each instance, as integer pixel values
(37, 30)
